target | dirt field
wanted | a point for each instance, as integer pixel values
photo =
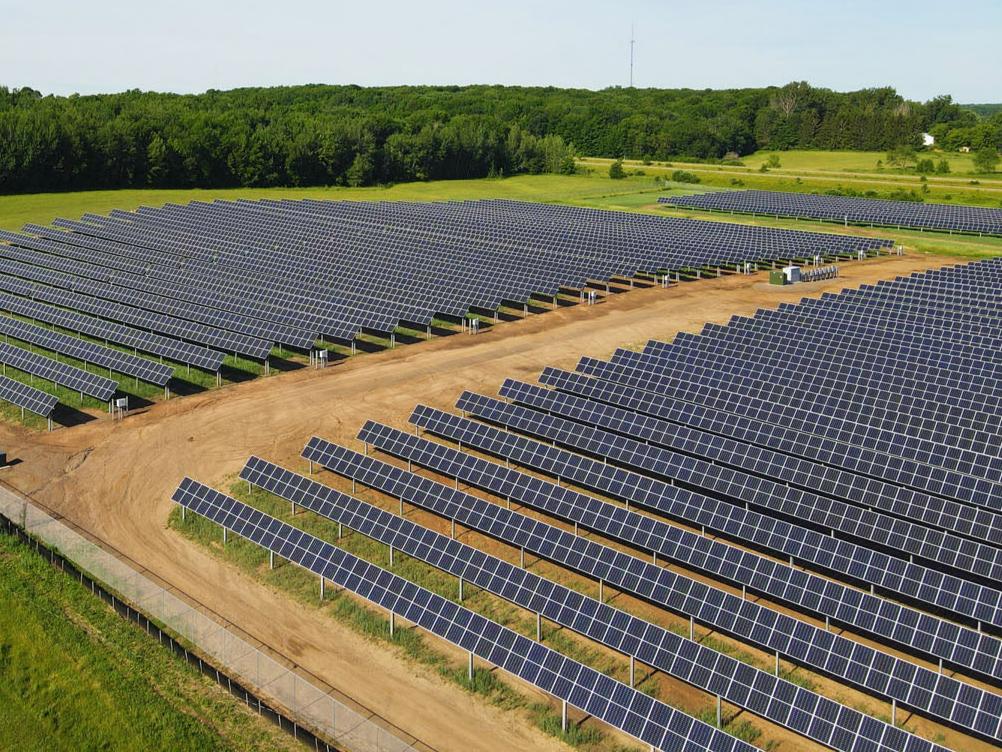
(115, 479)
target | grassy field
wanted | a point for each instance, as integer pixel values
(76, 676)
(981, 190)
(855, 161)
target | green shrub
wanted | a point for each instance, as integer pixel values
(681, 176)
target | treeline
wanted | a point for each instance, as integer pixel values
(348, 135)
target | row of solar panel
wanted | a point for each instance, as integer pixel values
(623, 707)
(882, 212)
(235, 276)
(801, 710)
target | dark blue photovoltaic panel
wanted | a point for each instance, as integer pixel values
(668, 475)
(154, 344)
(59, 373)
(851, 488)
(286, 272)
(29, 398)
(89, 352)
(629, 710)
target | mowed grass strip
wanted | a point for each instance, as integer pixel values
(74, 675)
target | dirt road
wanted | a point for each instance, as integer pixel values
(115, 479)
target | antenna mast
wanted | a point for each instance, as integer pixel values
(631, 55)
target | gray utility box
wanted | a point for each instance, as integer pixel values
(792, 273)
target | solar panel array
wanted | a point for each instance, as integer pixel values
(846, 450)
(243, 276)
(770, 697)
(623, 707)
(89, 352)
(825, 457)
(882, 212)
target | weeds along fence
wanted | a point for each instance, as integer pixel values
(300, 704)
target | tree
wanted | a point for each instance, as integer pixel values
(986, 159)
(773, 161)
(616, 171)
(156, 157)
(925, 167)
(942, 167)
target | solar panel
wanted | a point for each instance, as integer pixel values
(58, 373)
(928, 692)
(867, 460)
(622, 707)
(806, 712)
(89, 352)
(903, 503)
(27, 397)
(244, 272)
(166, 347)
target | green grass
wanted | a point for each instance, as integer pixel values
(76, 676)
(856, 161)
(957, 189)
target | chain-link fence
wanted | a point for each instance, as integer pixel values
(304, 706)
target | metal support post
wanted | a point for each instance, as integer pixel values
(563, 716)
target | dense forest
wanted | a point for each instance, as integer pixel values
(348, 135)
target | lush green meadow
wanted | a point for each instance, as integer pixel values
(76, 676)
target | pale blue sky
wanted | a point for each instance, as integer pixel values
(923, 48)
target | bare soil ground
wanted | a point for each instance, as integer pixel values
(115, 479)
